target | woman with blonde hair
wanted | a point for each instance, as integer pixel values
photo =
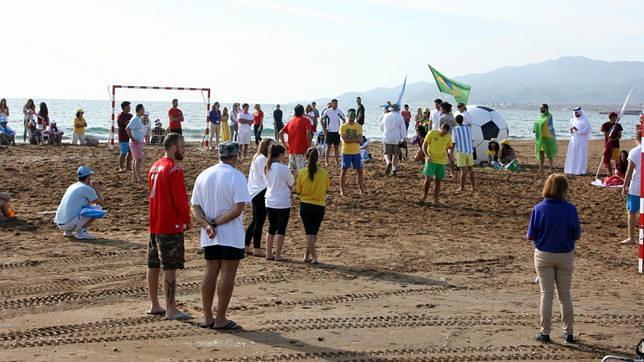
(257, 192)
(553, 229)
(225, 129)
(312, 186)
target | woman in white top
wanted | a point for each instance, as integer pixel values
(257, 191)
(279, 182)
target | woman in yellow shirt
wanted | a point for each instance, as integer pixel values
(312, 186)
(79, 128)
(225, 130)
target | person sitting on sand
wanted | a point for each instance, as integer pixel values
(78, 136)
(622, 164)
(7, 135)
(312, 186)
(80, 206)
(435, 147)
(553, 229)
(631, 189)
(364, 152)
(6, 211)
(158, 133)
(279, 182)
(55, 134)
(507, 157)
(493, 149)
(218, 200)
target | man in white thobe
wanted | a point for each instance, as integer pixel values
(577, 157)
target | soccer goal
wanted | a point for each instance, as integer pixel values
(205, 98)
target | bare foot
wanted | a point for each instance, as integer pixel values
(627, 241)
(459, 189)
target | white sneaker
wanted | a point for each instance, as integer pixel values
(84, 235)
(68, 233)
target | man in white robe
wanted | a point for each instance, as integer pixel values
(577, 157)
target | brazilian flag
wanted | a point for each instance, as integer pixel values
(460, 91)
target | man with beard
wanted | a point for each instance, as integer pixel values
(169, 219)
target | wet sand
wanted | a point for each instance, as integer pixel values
(397, 281)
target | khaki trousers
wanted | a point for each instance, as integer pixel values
(555, 269)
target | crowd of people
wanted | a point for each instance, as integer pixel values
(291, 163)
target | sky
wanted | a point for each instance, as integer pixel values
(282, 50)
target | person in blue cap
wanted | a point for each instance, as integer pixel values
(80, 207)
(7, 135)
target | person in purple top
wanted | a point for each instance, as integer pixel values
(214, 119)
(554, 228)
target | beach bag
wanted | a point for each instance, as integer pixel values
(513, 166)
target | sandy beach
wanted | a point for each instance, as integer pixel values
(397, 281)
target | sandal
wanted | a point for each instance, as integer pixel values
(181, 316)
(159, 312)
(280, 258)
(231, 325)
(207, 325)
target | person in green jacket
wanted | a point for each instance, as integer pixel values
(546, 141)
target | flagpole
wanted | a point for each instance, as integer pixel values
(610, 133)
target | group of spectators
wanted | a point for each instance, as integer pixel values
(39, 128)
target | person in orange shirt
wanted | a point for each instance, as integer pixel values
(258, 124)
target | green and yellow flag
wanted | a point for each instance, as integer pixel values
(460, 91)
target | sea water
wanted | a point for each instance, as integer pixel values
(98, 116)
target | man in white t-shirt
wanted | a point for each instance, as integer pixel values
(335, 118)
(394, 132)
(80, 206)
(632, 188)
(436, 115)
(218, 200)
(462, 110)
(245, 120)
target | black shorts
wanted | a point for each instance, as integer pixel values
(220, 252)
(176, 130)
(166, 250)
(312, 216)
(333, 138)
(278, 220)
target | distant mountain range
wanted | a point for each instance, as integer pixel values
(567, 80)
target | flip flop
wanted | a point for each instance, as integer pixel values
(181, 316)
(207, 325)
(161, 312)
(231, 325)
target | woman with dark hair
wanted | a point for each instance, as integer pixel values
(28, 111)
(42, 123)
(4, 109)
(279, 182)
(312, 186)
(553, 229)
(258, 123)
(257, 192)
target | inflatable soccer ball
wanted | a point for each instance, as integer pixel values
(486, 124)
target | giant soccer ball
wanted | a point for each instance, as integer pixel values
(486, 124)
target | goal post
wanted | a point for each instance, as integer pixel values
(115, 87)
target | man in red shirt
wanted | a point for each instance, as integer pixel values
(299, 131)
(176, 117)
(125, 157)
(169, 218)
